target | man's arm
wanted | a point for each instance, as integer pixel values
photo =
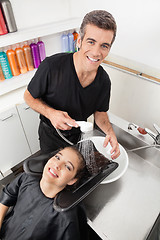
(102, 121)
(59, 119)
(3, 211)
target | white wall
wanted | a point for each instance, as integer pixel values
(134, 99)
(30, 13)
(138, 35)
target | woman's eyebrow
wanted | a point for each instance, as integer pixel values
(71, 164)
(67, 161)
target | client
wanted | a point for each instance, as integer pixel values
(33, 216)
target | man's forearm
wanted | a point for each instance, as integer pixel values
(59, 119)
(3, 211)
(37, 104)
(102, 121)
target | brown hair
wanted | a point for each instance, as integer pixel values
(101, 19)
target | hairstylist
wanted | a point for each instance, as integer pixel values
(72, 86)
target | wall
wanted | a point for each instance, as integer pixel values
(138, 35)
(36, 12)
(134, 99)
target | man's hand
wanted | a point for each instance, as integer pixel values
(61, 120)
(115, 151)
(102, 120)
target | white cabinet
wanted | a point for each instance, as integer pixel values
(13, 143)
(30, 123)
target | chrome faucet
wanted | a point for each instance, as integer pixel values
(144, 131)
(155, 137)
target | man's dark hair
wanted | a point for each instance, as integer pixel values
(101, 19)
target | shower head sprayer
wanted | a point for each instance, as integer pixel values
(85, 126)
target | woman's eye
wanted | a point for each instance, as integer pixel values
(68, 167)
(57, 157)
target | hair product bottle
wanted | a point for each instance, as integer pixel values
(71, 42)
(41, 48)
(13, 62)
(21, 59)
(65, 43)
(3, 28)
(5, 65)
(8, 15)
(35, 54)
(28, 56)
(75, 34)
(2, 78)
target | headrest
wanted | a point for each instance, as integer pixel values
(34, 164)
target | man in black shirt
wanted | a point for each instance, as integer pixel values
(69, 87)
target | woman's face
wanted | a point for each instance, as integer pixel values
(62, 168)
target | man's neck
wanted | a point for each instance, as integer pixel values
(85, 77)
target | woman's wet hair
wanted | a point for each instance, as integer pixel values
(101, 19)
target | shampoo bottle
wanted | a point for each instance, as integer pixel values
(8, 15)
(65, 43)
(41, 48)
(5, 65)
(35, 54)
(21, 59)
(28, 56)
(2, 78)
(13, 62)
(3, 28)
(75, 35)
(71, 42)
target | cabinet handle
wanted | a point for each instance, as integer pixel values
(1, 173)
(26, 108)
(7, 117)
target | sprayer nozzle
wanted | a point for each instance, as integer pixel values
(85, 126)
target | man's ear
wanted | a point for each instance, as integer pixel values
(79, 41)
(72, 181)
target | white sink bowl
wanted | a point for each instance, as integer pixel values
(122, 160)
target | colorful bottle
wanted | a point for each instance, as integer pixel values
(71, 42)
(65, 43)
(8, 15)
(13, 62)
(5, 65)
(28, 56)
(41, 48)
(2, 78)
(3, 28)
(75, 35)
(21, 59)
(35, 54)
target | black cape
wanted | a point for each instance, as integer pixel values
(33, 216)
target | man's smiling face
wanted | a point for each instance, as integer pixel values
(94, 47)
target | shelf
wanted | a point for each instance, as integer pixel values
(14, 83)
(39, 31)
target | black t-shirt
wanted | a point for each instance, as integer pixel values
(33, 216)
(57, 84)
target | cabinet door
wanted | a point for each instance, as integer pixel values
(13, 144)
(30, 123)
